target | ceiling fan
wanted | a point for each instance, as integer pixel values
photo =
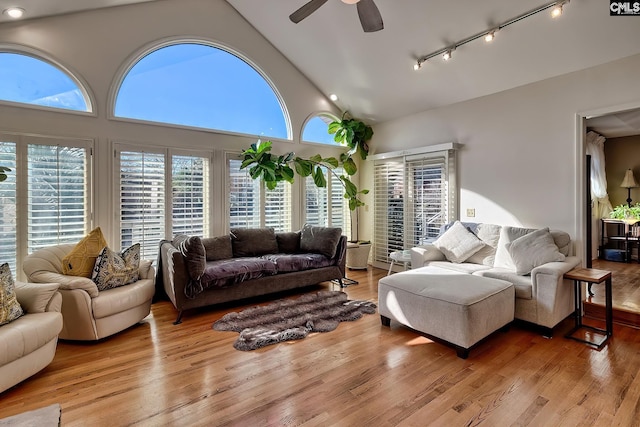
(367, 11)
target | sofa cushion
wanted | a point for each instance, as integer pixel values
(489, 234)
(252, 242)
(82, 258)
(507, 235)
(533, 250)
(114, 269)
(10, 308)
(457, 243)
(320, 240)
(463, 267)
(217, 248)
(236, 270)
(193, 251)
(288, 243)
(523, 284)
(286, 263)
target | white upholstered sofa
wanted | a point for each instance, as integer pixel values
(532, 264)
(28, 344)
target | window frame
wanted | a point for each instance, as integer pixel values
(76, 77)
(148, 49)
(313, 116)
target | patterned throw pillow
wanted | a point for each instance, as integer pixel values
(82, 258)
(113, 269)
(9, 306)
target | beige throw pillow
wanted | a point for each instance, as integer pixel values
(533, 250)
(457, 243)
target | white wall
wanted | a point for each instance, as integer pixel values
(518, 165)
(96, 44)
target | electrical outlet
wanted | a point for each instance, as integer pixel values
(471, 213)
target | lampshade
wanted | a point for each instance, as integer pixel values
(629, 180)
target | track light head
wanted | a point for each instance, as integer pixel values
(447, 55)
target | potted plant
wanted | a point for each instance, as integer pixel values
(349, 132)
(626, 213)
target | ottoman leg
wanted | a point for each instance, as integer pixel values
(385, 320)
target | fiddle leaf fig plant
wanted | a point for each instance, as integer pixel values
(351, 133)
(3, 173)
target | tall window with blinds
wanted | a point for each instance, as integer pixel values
(251, 204)
(142, 201)
(55, 175)
(326, 206)
(414, 196)
(189, 195)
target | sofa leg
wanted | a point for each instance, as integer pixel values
(547, 332)
(385, 320)
(178, 319)
(462, 352)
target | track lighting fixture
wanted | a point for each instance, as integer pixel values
(489, 35)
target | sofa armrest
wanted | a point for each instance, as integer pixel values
(420, 255)
(66, 282)
(555, 269)
(554, 297)
(38, 297)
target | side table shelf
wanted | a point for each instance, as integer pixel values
(591, 276)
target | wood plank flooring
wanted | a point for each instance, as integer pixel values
(625, 283)
(362, 374)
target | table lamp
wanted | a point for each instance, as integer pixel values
(629, 182)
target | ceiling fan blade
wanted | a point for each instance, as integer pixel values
(306, 10)
(370, 17)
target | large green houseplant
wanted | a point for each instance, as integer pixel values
(272, 169)
(626, 213)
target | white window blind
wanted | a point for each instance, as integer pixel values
(190, 189)
(414, 197)
(251, 204)
(57, 202)
(327, 206)
(8, 223)
(142, 201)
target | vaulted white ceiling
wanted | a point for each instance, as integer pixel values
(372, 72)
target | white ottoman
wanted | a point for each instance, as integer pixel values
(458, 308)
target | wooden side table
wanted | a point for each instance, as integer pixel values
(591, 276)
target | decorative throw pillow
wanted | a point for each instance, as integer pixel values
(113, 269)
(288, 243)
(533, 250)
(217, 248)
(82, 258)
(193, 251)
(507, 235)
(253, 241)
(489, 234)
(457, 243)
(10, 308)
(320, 240)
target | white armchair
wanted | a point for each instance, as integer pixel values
(90, 314)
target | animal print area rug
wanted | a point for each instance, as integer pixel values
(292, 319)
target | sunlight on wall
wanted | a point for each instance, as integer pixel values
(485, 210)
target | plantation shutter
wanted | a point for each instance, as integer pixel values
(340, 213)
(415, 194)
(190, 189)
(252, 205)
(316, 203)
(8, 223)
(327, 206)
(142, 201)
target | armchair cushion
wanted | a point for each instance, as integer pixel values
(113, 269)
(82, 258)
(10, 308)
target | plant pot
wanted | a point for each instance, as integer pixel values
(357, 255)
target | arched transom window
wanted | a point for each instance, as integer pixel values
(198, 85)
(29, 80)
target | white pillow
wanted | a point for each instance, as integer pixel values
(533, 250)
(457, 243)
(489, 234)
(507, 235)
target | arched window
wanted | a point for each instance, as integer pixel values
(315, 129)
(194, 84)
(30, 80)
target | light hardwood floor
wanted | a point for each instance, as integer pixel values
(362, 374)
